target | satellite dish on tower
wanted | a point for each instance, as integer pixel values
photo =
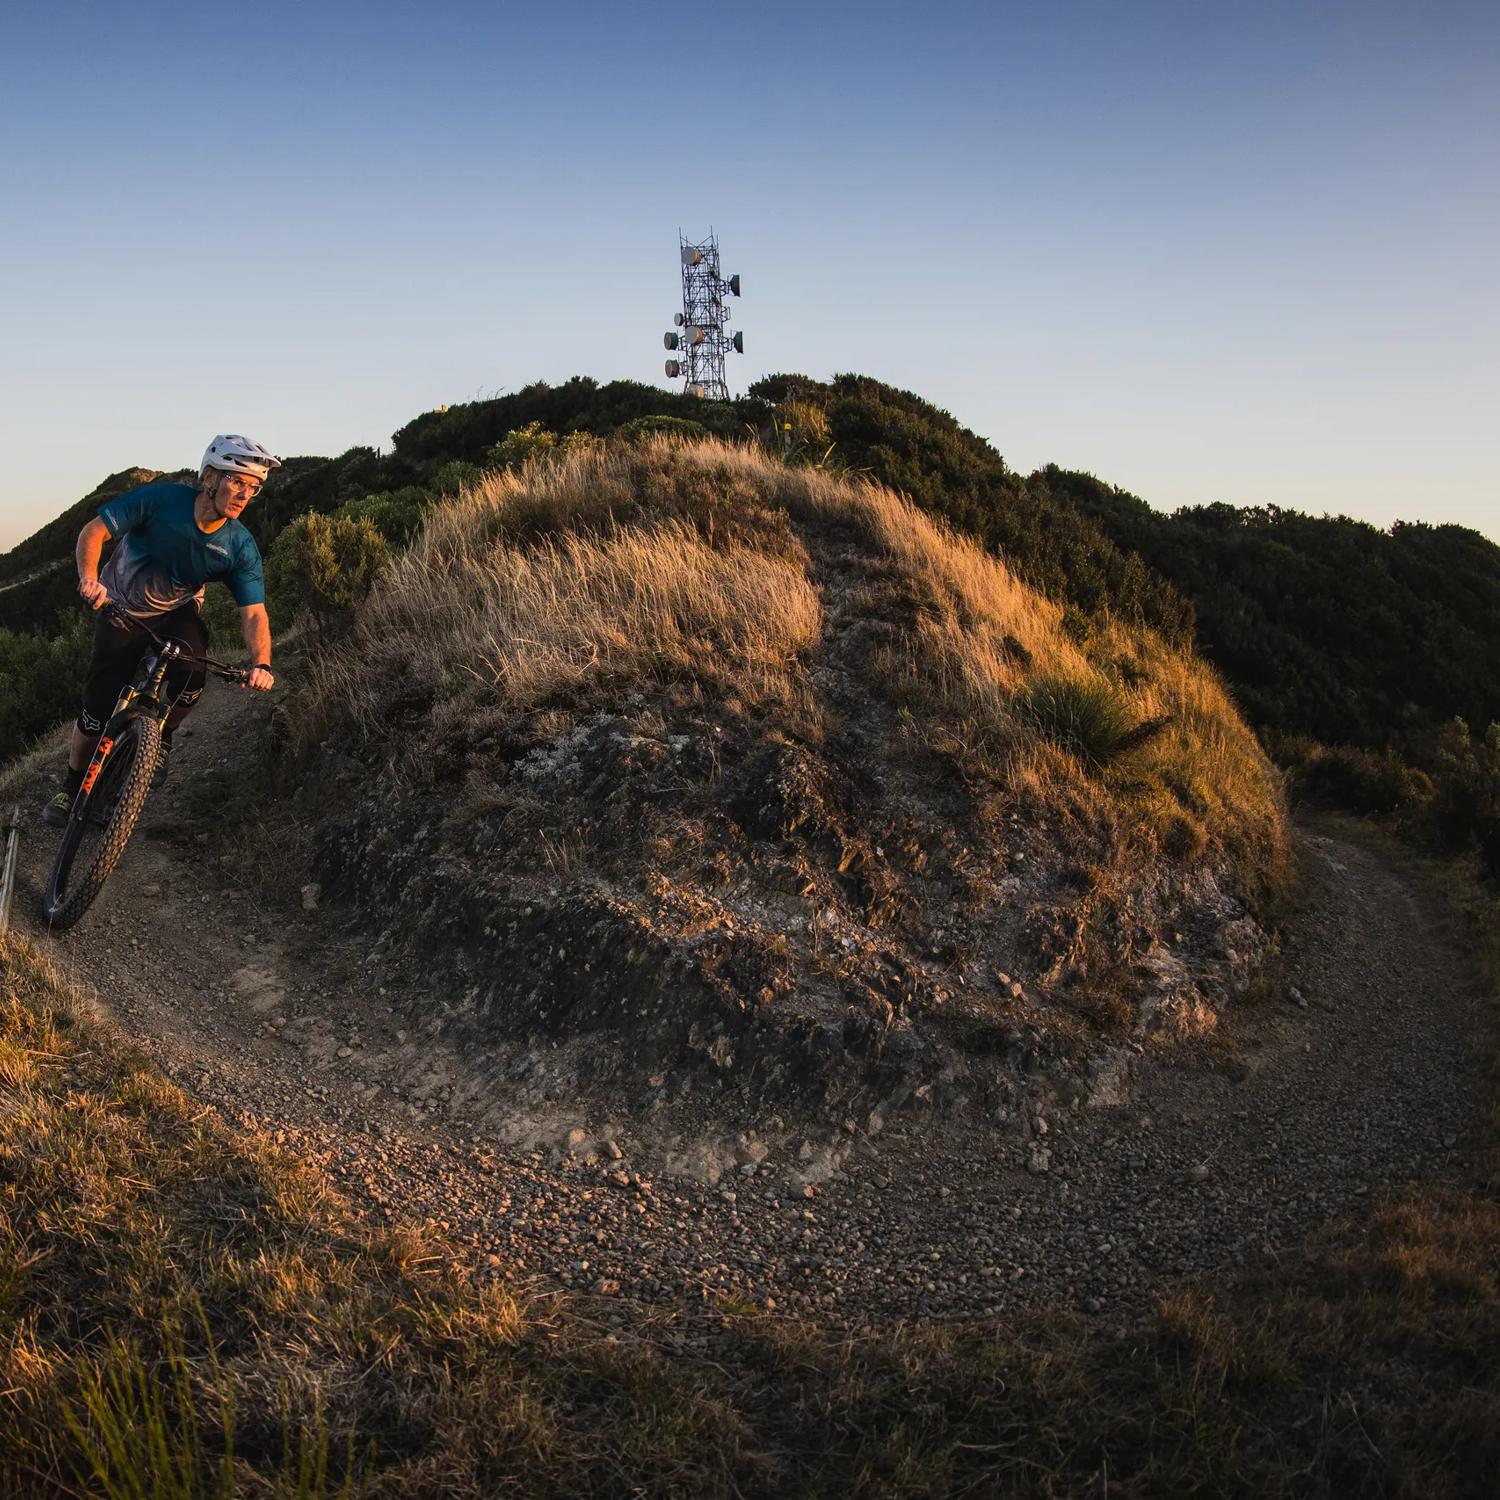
(670, 340)
(704, 335)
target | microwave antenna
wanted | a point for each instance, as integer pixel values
(702, 336)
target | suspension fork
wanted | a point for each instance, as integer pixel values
(96, 761)
(128, 695)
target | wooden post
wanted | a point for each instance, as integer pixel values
(8, 869)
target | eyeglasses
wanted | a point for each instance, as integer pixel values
(249, 488)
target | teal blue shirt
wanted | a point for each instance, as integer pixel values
(162, 559)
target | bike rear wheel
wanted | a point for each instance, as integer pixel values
(102, 823)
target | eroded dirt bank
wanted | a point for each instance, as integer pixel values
(1357, 1075)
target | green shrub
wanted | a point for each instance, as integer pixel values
(641, 427)
(221, 616)
(454, 476)
(521, 444)
(41, 681)
(1465, 806)
(325, 565)
(533, 440)
(1354, 779)
(395, 514)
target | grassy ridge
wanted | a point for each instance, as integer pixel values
(618, 568)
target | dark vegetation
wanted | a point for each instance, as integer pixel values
(1365, 658)
(1329, 628)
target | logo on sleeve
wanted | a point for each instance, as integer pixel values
(215, 547)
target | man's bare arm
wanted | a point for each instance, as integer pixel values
(255, 627)
(87, 553)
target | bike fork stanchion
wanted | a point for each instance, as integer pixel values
(8, 869)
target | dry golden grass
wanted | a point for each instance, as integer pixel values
(529, 627)
(525, 592)
(589, 576)
(48, 753)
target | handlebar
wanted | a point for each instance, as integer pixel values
(240, 675)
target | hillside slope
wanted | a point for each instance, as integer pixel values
(685, 765)
(950, 472)
(36, 587)
(1327, 627)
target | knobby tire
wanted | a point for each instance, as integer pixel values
(124, 779)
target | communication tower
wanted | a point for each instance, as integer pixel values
(702, 336)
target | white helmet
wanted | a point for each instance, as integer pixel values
(238, 455)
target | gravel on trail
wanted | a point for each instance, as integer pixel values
(1360, 1075)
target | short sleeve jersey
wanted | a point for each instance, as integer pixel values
(162, 559)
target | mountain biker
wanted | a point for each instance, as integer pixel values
(172, 539)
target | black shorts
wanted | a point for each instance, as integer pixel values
(118, 648)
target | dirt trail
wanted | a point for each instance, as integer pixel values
(1226, 1153)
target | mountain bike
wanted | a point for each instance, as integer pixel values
(118, 777)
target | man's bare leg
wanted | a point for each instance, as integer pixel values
(80, 748)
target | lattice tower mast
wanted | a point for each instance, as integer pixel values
(704, 336)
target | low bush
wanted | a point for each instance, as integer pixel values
(454, 476)
(41, 680)
(325, 565)
(1352, 778)
(1464, 810)
(681, 427)
(533, 441)
(395, 514)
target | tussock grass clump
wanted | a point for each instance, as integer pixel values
(1088, 717)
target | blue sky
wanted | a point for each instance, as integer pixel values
(1207, 252)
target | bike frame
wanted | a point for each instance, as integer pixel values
(143, 698)
(138, 699)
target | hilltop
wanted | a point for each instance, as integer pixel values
(684, 769)
(892, 435)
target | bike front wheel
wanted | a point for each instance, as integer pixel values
(102, 822)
